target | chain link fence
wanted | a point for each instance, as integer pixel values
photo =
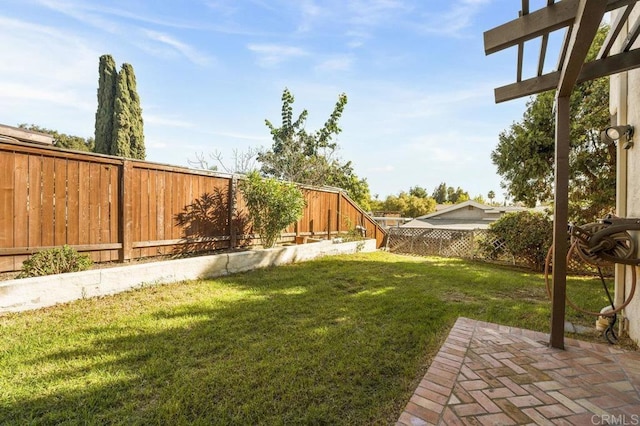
(465, 244)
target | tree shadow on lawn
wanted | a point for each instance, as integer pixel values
(319, 342)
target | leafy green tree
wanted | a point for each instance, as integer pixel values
(273, 205)
(524, 234)
(108, 76)
(376, 204)
(310, 157)
(357, 189)
(440, 193)
(491, 195)
(62, 140)
(409, 205)
(455, 196)
(479, 199)
(419, 192)
(525, 153)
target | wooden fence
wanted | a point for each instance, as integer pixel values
(119, 209)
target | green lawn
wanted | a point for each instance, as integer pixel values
(340, 340)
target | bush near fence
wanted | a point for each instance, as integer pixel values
(464, 244)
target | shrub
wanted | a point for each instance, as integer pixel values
(273, 205)
(526, 235)
(55, 261)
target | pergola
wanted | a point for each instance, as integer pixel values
(580, 19)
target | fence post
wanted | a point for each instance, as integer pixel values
(339, 218)
(126, 210)
(233, 205)
(411, 245)
(472, 235)
(329, 224)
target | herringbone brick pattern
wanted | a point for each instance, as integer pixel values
(488, 374)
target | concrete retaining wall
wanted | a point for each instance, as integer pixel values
(39, 292)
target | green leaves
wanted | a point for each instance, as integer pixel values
(525, 153)
(108, 76)
(273, 205)
(119, 124)
(62, 140)
(409, 205)
(525, 234)
(309, 157)
(55, 261)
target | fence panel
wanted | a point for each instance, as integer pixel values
(49, 200)
(434, 242)
(464, 244)
(118, 210)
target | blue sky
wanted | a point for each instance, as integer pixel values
(420, 89)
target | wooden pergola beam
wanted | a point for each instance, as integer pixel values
(632, 37)
(589, 17)
(551, 18)
(616, 28)
(605, 67)
(528, 27)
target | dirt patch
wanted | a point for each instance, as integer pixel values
(6, 276)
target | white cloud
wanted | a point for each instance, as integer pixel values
(337, 63)
(96, 17)
(270, 55)
(454, 20)
(23, 93)
(176, 45)
(82, 14)
(310, 12)
(44, 66)
(242, 136)
(368, 13)
(223, 7)
(382, 169)
(167, 122)
(29, 50)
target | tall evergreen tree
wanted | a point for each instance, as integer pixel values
(128, 133)
(106, 97)
(119, 126)
(136, 135)
(121, 137)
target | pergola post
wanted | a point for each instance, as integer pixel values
(560, 221)
(582, 19)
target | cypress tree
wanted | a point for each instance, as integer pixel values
(106, 97)
(136, 135)
(121, 138)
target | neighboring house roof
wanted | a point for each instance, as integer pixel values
(9, 133)
(463, 216)
(454, 207)
(455, 224)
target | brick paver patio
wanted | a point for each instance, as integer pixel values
(489, 374)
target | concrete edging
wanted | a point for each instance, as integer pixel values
(39, 292)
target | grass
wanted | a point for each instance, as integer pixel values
(340, 340)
